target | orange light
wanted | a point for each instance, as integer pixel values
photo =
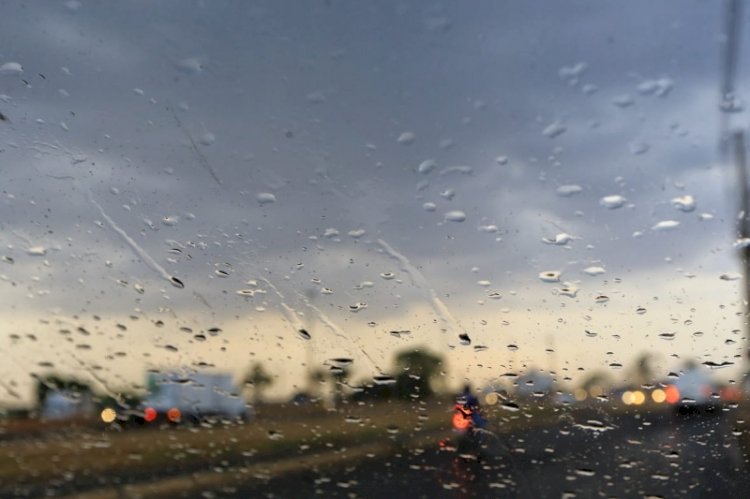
(174, 415)
(460, 422)
(149, 414)
(673, 394)
(658, 396)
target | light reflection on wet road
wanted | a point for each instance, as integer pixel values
(659, 456)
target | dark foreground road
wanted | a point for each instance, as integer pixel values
(657, 456)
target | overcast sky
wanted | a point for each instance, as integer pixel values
(409, 157)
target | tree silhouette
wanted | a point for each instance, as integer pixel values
(259, 380)
(418, 373)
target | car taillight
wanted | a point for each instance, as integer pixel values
(174, 415)
(149, 414)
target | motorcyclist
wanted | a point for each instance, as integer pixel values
(467, 405)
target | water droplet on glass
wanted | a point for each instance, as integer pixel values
(139, 288)
(669, 336)
(615, 365)
(426, 166)
(36, 251)
(554, 129)
(640, 310)
(510, 406)
(406, 138)
(623, 101)
(191, 65)
(357, 233)
(585, 472)
(464, 339)
(512, 347)
(11, 68)
(170, 220)
(429, 206)
(720, 365)
(455, 216)
(264, 198)
(601, 299)
(357, 307)
(665, 225)
(590, 334)
(594, 270)
(550, 276)
(613, 202)
(684, 203)
(731, 276)
(387, 275)
(384, 380)
(171, 348)
(340, 362)
(448, 194)
(177, 283)
(567, 191)
(221, 273)
(303, 334)
(569, 291)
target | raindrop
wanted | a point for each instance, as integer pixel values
(190, 65)
(426, 166)
(357, 233)
(567, 191)
(36, 251)
(326, 291)
(303, 334)
(429, 206)
(357, 307)
(601, 299)
(559, 240)
(585, 472)
(455, 216)
(510, 406)
(640, 310)
(139, 289)
(613, 202)
(448, 194)
(221, 273)
(480, 348)
(484, 283)
(623, 101)
(594, 270)
(340, 362)
(384, 380)
(591, 334)
(353, 419)
(170, 220)
(569, 291)
(665, 225)
(550, 276)
(170, 348)
(501, 160)
(714, 365)
(176, 282)
(615, 365)
(667, 336)
(10, 68)
(464, 339)
(512, 347)
(684, 203)
(387, 275)
(406, 138)
(264, 198)
(732, 276)
(554, 129)
(495, 295)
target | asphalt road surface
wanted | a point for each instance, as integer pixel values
(644, 456)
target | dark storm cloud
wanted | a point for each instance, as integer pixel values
(308, 103)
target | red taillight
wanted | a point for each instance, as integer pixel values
(174, 415)
(461, 422)
(673, 394)
(149, 414)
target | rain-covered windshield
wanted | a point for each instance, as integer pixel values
(373, 249)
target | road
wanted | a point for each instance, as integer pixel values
(642, 456)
